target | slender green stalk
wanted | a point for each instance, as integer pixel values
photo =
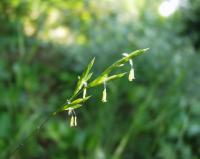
(83, 84)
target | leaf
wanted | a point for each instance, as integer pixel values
(89, 76)
(124, 60)
(74, 104)
(84, 77)
(118, 63)
(101, 80)
(116, 76)
(97, 81)
(80, 100)
(132, 55)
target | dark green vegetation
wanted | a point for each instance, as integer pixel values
(45, 45)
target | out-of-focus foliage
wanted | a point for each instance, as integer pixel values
(45, 45)
(191, 12)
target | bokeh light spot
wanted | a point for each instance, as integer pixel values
(168, 7)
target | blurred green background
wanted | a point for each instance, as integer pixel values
(46, 44)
